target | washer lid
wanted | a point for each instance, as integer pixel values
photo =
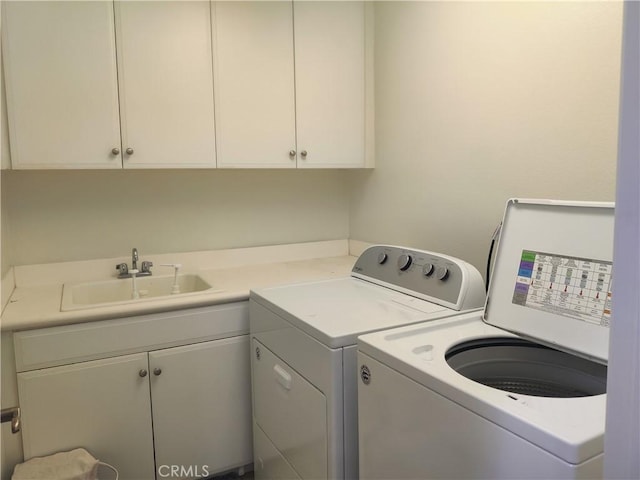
(551, 280)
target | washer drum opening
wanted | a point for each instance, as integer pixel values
(519, 366)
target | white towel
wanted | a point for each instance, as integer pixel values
(76, 464)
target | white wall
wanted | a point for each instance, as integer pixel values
(73, 215)
(11, 444)
(477, 102)
(5, 162)
(622, 437)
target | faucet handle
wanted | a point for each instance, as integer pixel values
(146, 267)
(123, 270)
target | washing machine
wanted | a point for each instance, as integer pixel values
(516, 390)
(303, 366)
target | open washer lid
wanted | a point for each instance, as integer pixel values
(551, 280)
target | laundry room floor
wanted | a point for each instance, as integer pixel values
(233, 476)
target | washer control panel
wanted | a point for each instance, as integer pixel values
(428, 275)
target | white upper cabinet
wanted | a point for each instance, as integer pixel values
(254, 84)
(62, 92)
(131, 84)
(166, 84)
(291, 84)
(70, 103)
(330, 83)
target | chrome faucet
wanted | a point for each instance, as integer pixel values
(134, 259)
(145, 268)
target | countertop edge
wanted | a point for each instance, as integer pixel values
(32, 307)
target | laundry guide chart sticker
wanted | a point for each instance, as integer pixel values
(572, 287)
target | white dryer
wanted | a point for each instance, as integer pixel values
(515, 391)
(304, 375)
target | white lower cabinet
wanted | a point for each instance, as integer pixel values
(201, 398)
(102, 405)
(182, 411)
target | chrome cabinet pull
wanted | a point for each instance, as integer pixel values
(142, 373)
(157, 371)
(12, 415)
(129, 151)
(115, 151)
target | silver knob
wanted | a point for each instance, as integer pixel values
(427, 270)
(442, 273)
(404, 262)
(382, 258)
(142, 373)
(292, 153)
(115, 151)
(157, 371)
(129, 151)
(303, 154)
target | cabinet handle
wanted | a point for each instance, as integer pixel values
(115, 151)
(157, 371)
(292, 153)
(12, 415)
(142, 373)
(303, 154)
(129, 151)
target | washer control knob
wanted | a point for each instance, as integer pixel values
(382, 258)
(404, 262)
(442, 273)
(427, 270)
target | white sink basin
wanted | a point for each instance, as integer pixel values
(115, 292)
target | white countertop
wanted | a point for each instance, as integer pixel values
(35, 301)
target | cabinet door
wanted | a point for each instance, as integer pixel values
(254, 84)
(330, 83)
(201, 396)
(62, 92)
(102, 405)
(166, 84)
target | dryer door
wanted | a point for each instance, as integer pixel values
(269, 463)
(291, 412)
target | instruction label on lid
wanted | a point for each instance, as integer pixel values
(573, 287)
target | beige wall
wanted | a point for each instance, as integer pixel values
(5, 262)
(481, 101)
(475, 103)
(52, 216)
(4, 163)
(73, 215)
